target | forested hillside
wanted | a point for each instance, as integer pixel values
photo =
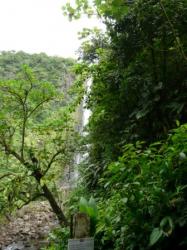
(47, 68)
(137, 134)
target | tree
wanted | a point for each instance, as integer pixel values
(36, 137)
(138, 95)
(138, 69)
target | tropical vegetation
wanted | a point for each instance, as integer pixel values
(133, 173)
(136, 142)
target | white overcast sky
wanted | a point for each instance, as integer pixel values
(36, 26)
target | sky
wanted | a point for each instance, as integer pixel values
(36, 26)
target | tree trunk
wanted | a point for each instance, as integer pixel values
(49, 196)
(56, 209)
(37, 174)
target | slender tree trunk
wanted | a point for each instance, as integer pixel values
(37, 174)
(50, 197)
(56, 209)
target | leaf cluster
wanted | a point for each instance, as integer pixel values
(143, 196)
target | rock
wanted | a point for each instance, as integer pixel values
(81, 225)
(31, 224)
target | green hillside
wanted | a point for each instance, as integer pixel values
(52, 69)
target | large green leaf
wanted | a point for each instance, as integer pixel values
(155, 236)
(83, 204)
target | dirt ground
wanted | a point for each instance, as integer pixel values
(29, 228)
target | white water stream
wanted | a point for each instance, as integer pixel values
(86, 112)
(73, 173)
(84, 121)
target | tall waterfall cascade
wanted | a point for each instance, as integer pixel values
(86, 112)
(72, 173)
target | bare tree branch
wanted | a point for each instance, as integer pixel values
(18, 97)
(25, 115)
(24, 108)
(9, 151)
(23, 134)
(29, 80)
(53, 159)
(26, 202)
(37, 106)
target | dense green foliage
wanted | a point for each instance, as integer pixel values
(58, 239)
(144, 196)
(138, 95)
(139, 85)
(136, 166)
(47, 68)
(37, 139)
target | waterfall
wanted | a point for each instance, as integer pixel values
(85, 118)
(72, 175)
(86, 112)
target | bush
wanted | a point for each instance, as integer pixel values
(142, 197)
(143, 202)
(58, 239)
